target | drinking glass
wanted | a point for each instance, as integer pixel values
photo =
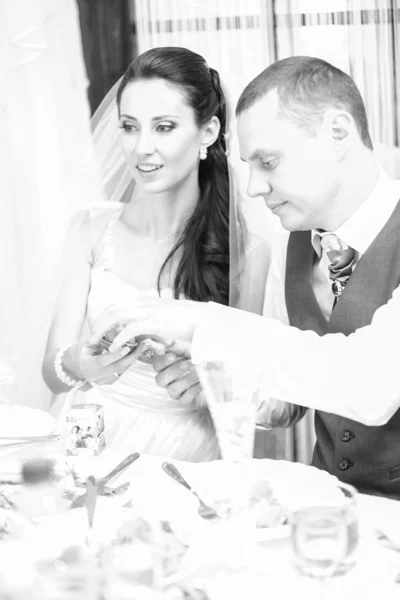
(325, 536)
(319, 541)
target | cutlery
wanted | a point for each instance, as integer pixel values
(29, 438)
(390, 544)
(91, 498)
(110, 491)
(205, 511)
(101, 483)
(386, 540)
(20, 442)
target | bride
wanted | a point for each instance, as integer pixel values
(166, 234)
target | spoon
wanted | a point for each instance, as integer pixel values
(205, 511)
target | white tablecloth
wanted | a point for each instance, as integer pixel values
(272, 572)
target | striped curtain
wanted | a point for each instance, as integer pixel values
(234, 36)
(362, 38)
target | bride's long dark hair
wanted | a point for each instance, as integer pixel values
(203, 270)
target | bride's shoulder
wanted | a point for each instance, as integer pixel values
(92, 221)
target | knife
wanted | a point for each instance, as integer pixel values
(91, 498)
(81, 500)
(29, 438)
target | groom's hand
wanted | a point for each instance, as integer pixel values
(178, 376)
(165, 319)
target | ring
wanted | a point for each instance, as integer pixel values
(117, 375)
(148, 353)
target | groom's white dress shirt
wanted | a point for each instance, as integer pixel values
(297, 364)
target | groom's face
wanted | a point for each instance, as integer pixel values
(295, 171)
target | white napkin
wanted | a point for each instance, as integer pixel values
(381, 514)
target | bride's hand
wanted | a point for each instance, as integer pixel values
(98, 367)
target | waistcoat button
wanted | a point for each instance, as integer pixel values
(345, 464)
(347, 436)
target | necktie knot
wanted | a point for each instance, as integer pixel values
(341, 257)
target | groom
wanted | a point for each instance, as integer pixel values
(303, 132)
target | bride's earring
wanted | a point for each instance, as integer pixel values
(203, 153)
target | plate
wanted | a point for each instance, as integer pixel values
(16, 420)
(293, 484)
(12, 525)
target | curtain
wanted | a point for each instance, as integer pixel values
(361, 37)
(234, 36)
(47, 174)
(109, 43)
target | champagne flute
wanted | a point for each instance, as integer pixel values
(233, 396)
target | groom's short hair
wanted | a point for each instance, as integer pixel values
(306, 87)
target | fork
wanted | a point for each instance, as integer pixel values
(101, 483)
(205, 511)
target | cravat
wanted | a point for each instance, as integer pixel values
(341, 258)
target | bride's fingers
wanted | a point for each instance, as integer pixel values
(108, 358)
(122, 364)
(94, 339)
(134, 329)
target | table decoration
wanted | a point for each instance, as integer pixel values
(83, 430)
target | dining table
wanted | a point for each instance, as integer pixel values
(269, 570)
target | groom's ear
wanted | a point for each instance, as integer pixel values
(341, 130)
(211, 132)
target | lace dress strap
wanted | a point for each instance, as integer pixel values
(107, 246)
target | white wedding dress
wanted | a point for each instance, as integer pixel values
(140, 415)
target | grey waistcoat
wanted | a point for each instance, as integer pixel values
(367, 457)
